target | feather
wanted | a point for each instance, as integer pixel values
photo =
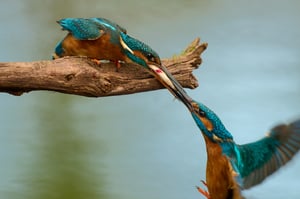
(83, 29)
(263, 157)
(110, 24)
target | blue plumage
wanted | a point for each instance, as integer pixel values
(82, 29)
(262, 158)
(59, 49)
(110, 25)
(138, 46)
(217, 124)
(250, 163)
(102, 39)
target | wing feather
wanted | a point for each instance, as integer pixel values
(263, 157)
(83, 29)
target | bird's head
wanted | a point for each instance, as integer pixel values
(209, 123)
(142, 54)
(137, 51)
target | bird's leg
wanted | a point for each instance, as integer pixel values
(118, 65)
(202, 191)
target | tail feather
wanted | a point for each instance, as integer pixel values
(59, 51)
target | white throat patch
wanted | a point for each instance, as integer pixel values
(124, 45)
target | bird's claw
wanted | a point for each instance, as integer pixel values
(203, 182)
(202, 191)
(117, 63)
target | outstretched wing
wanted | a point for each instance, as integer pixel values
(83, 29)
(262, 158)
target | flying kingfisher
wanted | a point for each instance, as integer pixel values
(231, 167)
(102, 39)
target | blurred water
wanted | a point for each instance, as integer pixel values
(58, 146)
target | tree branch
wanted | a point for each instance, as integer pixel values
(80, 76)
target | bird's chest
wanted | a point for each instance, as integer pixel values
(102, 48)
(219, 174)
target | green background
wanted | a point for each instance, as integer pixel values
(146, 145)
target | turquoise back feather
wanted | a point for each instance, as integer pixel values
(82, 29)
(110, 25)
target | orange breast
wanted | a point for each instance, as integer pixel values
(219, 174)
(100, 48)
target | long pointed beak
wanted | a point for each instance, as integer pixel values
(166, 78)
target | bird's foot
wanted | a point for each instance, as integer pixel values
(118, 64)
(202, 191)
(96, 61)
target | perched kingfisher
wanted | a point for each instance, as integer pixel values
(102, 39)
(232, 167)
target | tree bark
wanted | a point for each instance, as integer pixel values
(81, 76)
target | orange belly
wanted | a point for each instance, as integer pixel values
(219, 174)
(100, 48)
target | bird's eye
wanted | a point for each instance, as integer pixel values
(202, 113)
(151, 57)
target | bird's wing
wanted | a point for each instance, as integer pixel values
(263, 157)
(83, 29)
(110, 24)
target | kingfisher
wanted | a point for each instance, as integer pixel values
(102, 39)
(232, 167)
